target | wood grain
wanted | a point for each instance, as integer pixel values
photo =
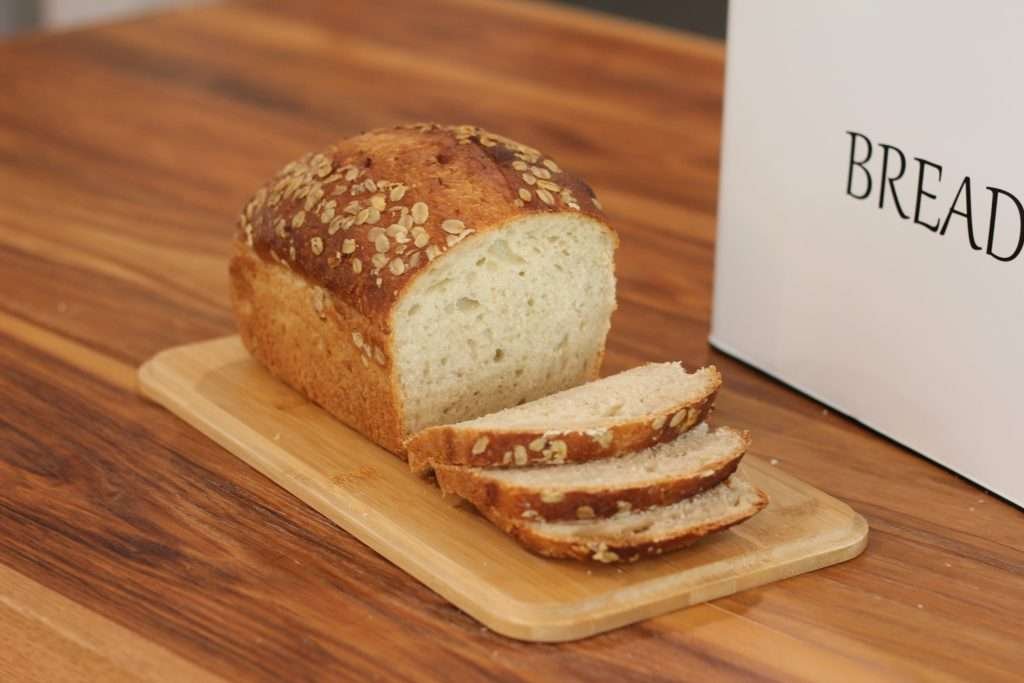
(125, 153)
(218, 388)
(50, 638)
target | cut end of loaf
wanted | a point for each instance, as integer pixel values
(507, 317)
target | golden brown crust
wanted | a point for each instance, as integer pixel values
(464, 446)
(318, 344)
(622, 550)
(345, 231)
(367, 214)
(509, 501)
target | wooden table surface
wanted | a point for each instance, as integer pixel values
(131, 547)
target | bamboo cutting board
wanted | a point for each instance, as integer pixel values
(217, 388)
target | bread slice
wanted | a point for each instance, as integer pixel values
(629, 411)
(633, 535)
(661, 475)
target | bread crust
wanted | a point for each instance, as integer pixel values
(609, 551)
(458, 445)
(515, 502)
(458, 173)
(318, 345)
(346, 231)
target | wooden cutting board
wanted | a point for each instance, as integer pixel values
(217, 388)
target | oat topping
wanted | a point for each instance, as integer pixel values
(311, 200)
(453, 226)
(420, 213)
(532, 168)
(555, 452)
(327, 211)
(452, 240)
(320, 302)
(552, 496)
(603, 554)
(603, 437)
(420, 238)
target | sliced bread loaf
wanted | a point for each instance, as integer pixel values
(634, 535)
(424, 274)
(660, 475)
(629, 411)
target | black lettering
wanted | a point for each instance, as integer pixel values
(996, 192)
(862, 164)
(921, 164)
(965, 190)
(891, 181)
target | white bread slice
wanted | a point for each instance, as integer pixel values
(630, 536)
(629, 411)
(661, 475)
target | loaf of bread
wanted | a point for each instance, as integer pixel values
(424, 275)
(447, 292)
